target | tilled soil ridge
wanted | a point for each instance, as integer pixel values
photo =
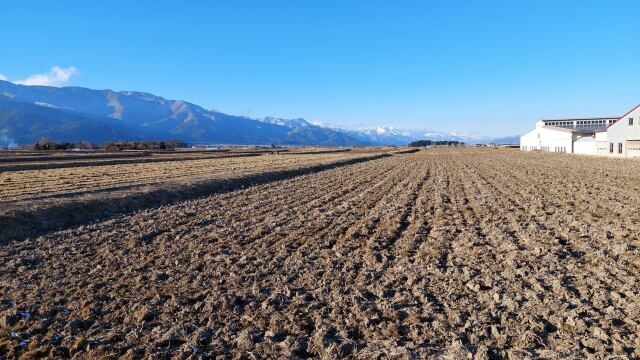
(440, 254)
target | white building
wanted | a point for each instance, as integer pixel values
(565, 135)
(612, 136)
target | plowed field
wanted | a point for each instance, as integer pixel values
(458, 253)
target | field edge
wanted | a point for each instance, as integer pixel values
(23, 223)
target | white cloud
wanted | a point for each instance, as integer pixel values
(55, 77)
(2, 77)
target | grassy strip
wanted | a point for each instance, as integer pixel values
(66, 157)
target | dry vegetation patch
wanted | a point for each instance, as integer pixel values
(25, 185)
(34, 201)
(447, 252)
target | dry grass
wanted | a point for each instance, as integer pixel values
(22, 185)
(34, 201)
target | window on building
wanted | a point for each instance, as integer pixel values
(619, 148)
(610, 148)
(630, 121)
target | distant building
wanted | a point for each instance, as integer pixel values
(565, 135)
(615, 136)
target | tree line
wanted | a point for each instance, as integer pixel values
(425, 143)
(117, 145)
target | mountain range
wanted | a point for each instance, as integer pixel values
(31, 113)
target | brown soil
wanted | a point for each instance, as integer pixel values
(441, 253)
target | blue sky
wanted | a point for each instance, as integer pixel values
(482, 67)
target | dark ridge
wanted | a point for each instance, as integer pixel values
(84, 162)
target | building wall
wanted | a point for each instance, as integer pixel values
(632, 148)
(602, 145)
(530, 141)
(627, 135)
(602, 148)
(555, 140)
(547, 139)
(601, 136)
(585, 146)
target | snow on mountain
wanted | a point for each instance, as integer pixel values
(388, 131)
(100, 115)
(29, 113)
(290, 123)
(389, 135)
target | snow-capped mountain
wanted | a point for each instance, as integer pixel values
(29, 113)
(290, 123)
(389, 135)
(381, 135)
(443, 136)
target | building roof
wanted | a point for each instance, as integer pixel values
(558, 128)
(580, 119)
(628, 112)
(586, 139)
